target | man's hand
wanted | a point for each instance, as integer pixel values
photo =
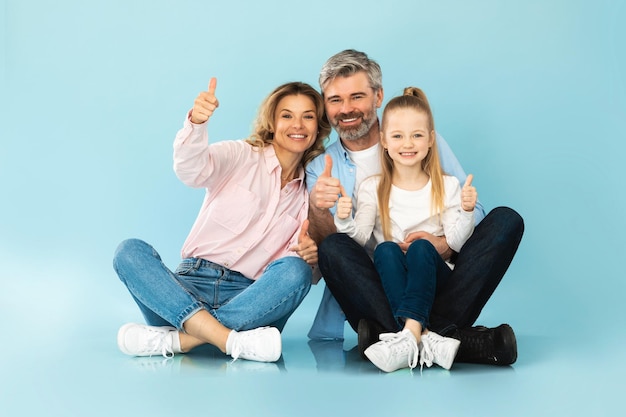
(439, 242)
(326, 190)
(306, 247)
(468, 194)
(205, 104)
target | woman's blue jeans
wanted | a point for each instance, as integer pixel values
(168, 298)
(411, 280)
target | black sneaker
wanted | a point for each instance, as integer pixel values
(491, 346)
(368, 332)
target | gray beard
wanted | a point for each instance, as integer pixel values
(355, 133)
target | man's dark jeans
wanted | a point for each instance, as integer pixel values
(479, 267)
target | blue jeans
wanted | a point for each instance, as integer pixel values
(411, 280)
(168, 298)
(479, 267)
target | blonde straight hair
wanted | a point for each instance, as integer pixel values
(412, 98)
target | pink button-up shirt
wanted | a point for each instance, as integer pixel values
(246, 220)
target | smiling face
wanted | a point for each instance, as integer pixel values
(351, 105)
(295, 124)
(406, 136)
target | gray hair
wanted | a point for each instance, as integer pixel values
(349, 62)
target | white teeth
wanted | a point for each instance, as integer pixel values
(297, 136)
(348, 120)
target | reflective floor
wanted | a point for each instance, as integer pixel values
(531, 96)
(60, 358)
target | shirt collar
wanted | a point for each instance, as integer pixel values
(273, 164)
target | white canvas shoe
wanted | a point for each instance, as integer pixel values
(142, 340)
(394, 351)
(262, 345)
(438, 349)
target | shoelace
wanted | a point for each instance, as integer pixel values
(238, 344)
(160, 342)
(426, 355)
(236, 352)
(399, 339)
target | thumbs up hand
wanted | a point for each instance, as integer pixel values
(469, 196)
(205, 104)
(344, 205)
(306, 247)
(326, 190)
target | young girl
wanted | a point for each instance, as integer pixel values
(411, 194)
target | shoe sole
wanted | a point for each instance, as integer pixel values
(509, 343)
(120, 338)
(451, 353)
(279, 347)
(373, 358)
(363, 338)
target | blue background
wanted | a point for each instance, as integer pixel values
(531, 95)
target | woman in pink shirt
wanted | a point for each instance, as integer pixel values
(247, 262)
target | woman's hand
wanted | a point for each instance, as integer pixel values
(205, 104)
(306, 247)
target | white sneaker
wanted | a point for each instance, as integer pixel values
(394, 351)
(438, 349)
(262, 344)
(141, 340)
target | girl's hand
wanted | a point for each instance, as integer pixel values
(468, 194)
(344, 205)
(439, 242)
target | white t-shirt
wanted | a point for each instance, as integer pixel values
(367, 164)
